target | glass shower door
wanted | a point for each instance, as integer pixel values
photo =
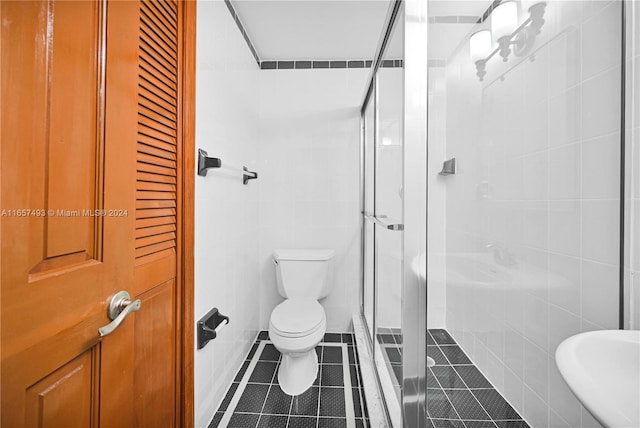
(368, 304)
(393, 168)
(383, 216)
(389, 209)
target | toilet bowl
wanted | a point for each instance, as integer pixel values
(298, 324)
(295, 328)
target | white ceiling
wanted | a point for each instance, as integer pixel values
(458, 7)
(342, 29)
(313, 29)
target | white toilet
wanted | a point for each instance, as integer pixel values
(298, 324)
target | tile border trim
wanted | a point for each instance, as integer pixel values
(241, 387)
(243, 31)
(310, 64)
(455, 19)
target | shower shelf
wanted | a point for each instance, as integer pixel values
(449, 167)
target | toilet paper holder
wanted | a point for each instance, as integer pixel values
(210, 325)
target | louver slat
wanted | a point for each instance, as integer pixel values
(156, 198)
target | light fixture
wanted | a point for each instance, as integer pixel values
(536, 11)
(479, 49)
(506, 33)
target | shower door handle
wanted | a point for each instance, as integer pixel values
(120, 306)
(388, 226)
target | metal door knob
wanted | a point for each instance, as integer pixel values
(120, 306)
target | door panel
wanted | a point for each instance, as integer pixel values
(88, 137)
(72, 146)
(155, 359)
(53, 281)
(63, 399)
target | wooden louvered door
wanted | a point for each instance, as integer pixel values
(96, 187)
(156, 213)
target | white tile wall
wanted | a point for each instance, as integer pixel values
(226, 217)
(546, 139)
(437, 194)
(309, 179)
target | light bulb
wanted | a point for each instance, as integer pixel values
(504, 20)
(480, 45)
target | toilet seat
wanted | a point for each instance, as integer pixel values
(297, 318)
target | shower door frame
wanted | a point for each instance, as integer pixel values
(414, 217)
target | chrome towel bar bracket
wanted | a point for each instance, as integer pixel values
(248, 175)
(205, 163)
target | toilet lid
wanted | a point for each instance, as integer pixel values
(295, 317)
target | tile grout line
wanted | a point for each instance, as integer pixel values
(356, 361)
(399, 349)
(319, 384)
(443, 390)
(474, 395)
(290, 405)
(358, 380)
(325, 417)
(262, 416)
(224, 423)
(348, 393)
(465, 383)
(390, 364)
(446, 396)
(275, 373)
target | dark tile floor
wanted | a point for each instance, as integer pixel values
(390, 340)
(458, 394)
(261, 402)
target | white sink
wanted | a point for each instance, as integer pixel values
(602, 368)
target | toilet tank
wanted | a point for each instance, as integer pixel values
(304, 273)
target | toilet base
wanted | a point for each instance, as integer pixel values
(298, 371)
